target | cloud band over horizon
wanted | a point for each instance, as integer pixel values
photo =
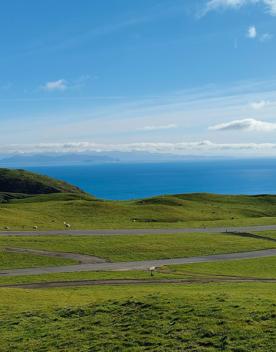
(204, 147)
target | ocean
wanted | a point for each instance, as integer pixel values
(127, 181)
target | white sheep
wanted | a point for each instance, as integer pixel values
(6, 228)
(152, 269)
(35, 227)
(68, 226)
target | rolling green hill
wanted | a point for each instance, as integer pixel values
(21, 181)
(28, 199)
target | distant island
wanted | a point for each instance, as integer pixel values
(85, 158)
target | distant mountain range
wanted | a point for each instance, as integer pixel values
(54, 159)
(59, 159)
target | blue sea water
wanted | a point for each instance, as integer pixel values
(127, 181)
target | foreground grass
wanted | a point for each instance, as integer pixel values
(142, 247)
(190, 210)
(213, 317)
(20, 260)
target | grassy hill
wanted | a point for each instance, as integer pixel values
(27, 199)
(49, 211)
(21, 181)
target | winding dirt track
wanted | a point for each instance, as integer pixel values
(139, 231)
(137, 265)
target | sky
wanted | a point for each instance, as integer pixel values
(194, 77)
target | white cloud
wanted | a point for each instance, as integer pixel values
(181, 148)
(224, 4)
(213, 5)
(159, 127)
(58, 85)
(62, 84)
(271, 6)
(258, 105)
(252, 32)
(245, 125)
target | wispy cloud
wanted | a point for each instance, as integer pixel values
(120, 120)
(215, 5)
(252, 33)
(159, 127)
(258, 105)
(59, 85)
(265, 37)
(81, 37)
(245, 125)
(63, 84)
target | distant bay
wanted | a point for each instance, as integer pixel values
(127, 181)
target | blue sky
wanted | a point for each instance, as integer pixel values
(186, 77)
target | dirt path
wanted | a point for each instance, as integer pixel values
(81, 258)
(137, 265)
(139, 231)
(79, 283)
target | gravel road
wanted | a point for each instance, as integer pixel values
(137, 265)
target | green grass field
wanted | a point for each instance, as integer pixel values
(270, 234)
(249, 268)
(83, 212)
(210, 317)
(141, 247)
(172, 317)
(252, 268)
(22, 260)
(196, 317)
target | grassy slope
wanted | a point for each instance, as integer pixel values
(270, 234)
(83, 212)
(21, 181)
(254, 268)
(142, 247)
(22, 260)
(224, 317)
